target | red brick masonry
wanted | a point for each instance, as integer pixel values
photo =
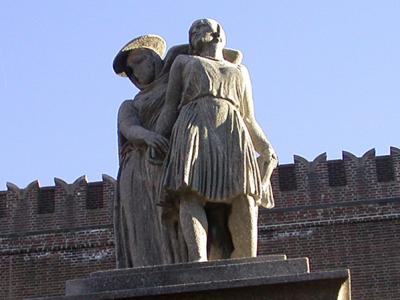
(339, 213)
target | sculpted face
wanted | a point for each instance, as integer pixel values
(205, 31)
(144, 65)
(201, 33)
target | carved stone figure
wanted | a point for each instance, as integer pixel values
(143, 236)
(211, 170)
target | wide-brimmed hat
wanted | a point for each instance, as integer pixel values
(149, 41)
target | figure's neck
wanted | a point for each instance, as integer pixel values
(213, 51)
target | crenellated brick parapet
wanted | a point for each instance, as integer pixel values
(323, 181)
(304, 183)
(62, 206)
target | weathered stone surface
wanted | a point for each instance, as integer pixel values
(212, 159)
(193, 273)
(141, 236)
(194, 115)
(187, 266)
(269, 277)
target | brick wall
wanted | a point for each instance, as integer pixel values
(52, 234)
(340, 214)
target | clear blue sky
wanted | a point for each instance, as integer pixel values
(326, 76)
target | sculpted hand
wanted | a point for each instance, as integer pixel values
(158, 147)
(268, 156)
(157, 141)
(267, 162)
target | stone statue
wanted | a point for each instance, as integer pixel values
(143, 235)
(211, 170)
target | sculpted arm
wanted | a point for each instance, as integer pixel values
(129, 123)
(130, 127)
(260, 141)
(169, 111)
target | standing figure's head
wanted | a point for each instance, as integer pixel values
(140, 60)
(205, 31)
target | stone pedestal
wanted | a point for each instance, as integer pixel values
(266, 277)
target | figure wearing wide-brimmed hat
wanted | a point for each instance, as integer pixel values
(136, 53)
(141, 238)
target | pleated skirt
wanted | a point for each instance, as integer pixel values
(211, 153)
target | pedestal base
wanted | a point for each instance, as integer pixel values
(266, 277)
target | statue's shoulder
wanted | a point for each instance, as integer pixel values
(180, 62)
(183, 58)
(243, 70)
(126, 105)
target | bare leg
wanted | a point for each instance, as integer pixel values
(194, 227)
(243, 227)
(219, 241)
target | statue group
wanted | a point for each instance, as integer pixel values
(194, 163)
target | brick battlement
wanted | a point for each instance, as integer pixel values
(64, 206)
(303, 183)
(323, 181)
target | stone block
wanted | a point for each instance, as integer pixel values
(271, 277)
